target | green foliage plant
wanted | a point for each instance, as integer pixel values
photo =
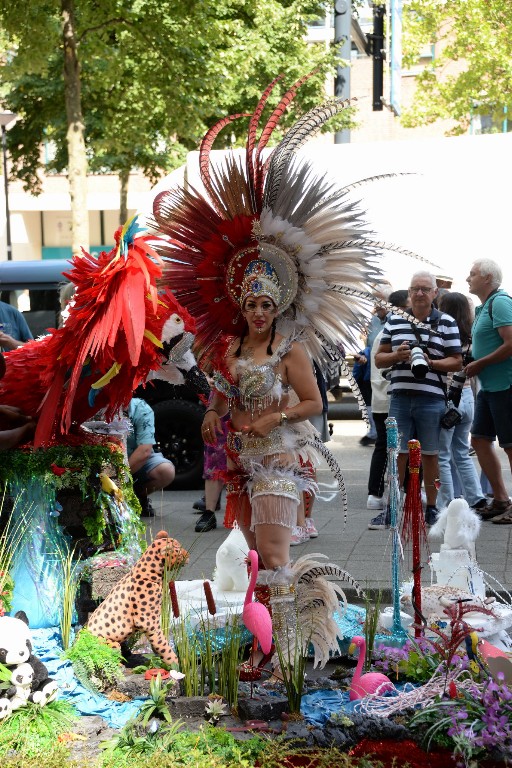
(156, 705)
(10, 539)
(292, 663)
(208, 657)
(214, 710)
(209, 665)
(229, 660)
(170, 574)
(171, 747)
(32, 731)
(151, 662)
(96, 664)
(70, 580)
(57, 757)
(136, 740)
(82, 464)
(373, 603)
(187, 648)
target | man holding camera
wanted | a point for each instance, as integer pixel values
(492, 363)
(419, 356)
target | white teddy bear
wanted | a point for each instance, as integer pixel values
(22, 678)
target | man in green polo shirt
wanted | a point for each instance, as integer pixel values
(492, 352)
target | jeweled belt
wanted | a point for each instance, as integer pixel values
(247, 445)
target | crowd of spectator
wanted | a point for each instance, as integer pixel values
(429, 359)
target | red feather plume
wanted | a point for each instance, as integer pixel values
(204, 156)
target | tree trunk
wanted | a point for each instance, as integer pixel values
(77, 159)
(124, 175)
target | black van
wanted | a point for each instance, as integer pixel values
(33, 287)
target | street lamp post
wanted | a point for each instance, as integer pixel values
(7, 119)
(342, 36)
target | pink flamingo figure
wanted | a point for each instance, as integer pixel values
(496, 660)
(255, 615)
(371, 682)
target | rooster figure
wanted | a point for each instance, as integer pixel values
(119, 329)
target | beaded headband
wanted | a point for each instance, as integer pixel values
(260, 279)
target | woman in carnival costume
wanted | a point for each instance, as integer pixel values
(267, 384)
(273, 262)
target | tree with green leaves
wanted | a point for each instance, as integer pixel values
(118, 85)
(471, 72)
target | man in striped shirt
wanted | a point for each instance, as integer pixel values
(418, 392)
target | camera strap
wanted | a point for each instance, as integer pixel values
(435, 316)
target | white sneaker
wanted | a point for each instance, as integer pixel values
(374, 502)
(311, 528)
(299, 536)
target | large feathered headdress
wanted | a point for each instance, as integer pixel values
(274, 218)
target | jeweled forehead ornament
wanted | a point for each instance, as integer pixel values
(260, 279)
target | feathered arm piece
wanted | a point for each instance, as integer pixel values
(365, 242)
(354, 292)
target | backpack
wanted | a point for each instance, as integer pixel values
(489, 308)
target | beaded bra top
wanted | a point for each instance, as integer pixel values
(258, 384)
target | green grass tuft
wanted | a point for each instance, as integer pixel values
(32, 731)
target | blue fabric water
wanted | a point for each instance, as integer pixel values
(319, 706)
(46, 646)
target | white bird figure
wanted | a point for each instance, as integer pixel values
(231, 567)
(458, 525)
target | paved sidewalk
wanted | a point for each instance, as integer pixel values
(365, 554)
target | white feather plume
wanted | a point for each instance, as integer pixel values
(318, 599)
